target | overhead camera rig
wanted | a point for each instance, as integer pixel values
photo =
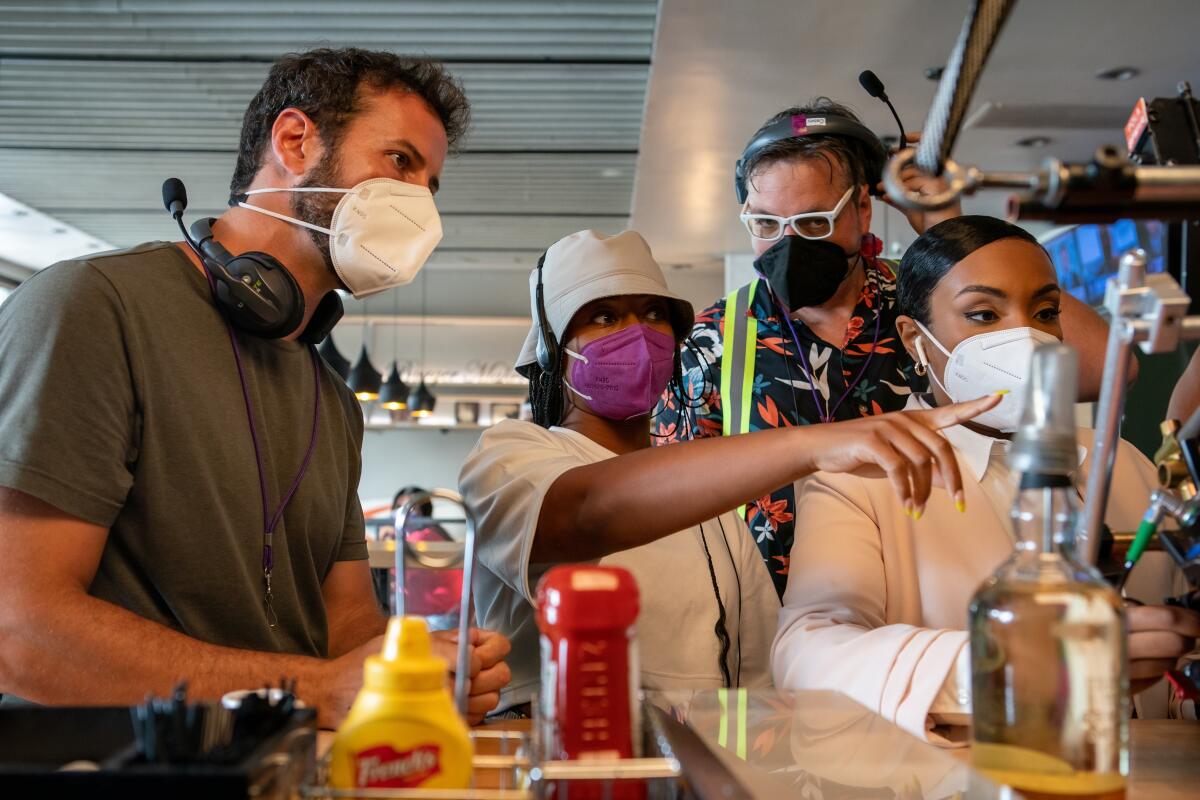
(1107, 188)
(1159, 179)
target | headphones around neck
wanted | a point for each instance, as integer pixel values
(255, 291)
(549, 353)
(802, 125)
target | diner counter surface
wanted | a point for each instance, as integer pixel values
(793, 745)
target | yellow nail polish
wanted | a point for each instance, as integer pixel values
(917, 512)
(961, 506)
(1001, 392)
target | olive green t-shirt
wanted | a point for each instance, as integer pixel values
(120, 405)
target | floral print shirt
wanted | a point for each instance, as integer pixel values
(866, 373)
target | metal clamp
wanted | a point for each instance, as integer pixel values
(1147, 310)
(960, 181)
(1170, 504)
(462, 666)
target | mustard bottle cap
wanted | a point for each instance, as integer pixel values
(407, 661)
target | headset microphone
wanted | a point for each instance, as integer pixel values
(174, 196)
(255, 291)
(175, 199)
(870, 81)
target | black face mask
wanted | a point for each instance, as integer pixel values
(804, 272)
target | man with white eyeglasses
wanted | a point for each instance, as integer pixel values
(813, 338)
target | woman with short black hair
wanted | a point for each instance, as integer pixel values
(877, 597)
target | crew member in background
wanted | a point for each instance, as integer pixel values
(876, 600)
(581, 482)
(431, 593)
(822, 313)
(149, 439)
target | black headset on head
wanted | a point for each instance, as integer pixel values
(256, 292)
(548, 350)
(798, 126)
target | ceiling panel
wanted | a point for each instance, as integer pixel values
(101, 100)
(204, 29)
(481, 183)
(145, 105)
(1046, 60)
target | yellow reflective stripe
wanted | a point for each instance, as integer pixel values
(723, 726)
(748, 373)
(740, 716)
(737, 360)
(741, 724)
(738, 345)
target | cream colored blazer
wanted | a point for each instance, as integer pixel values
(876, 602)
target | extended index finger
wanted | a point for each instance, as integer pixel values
(956, 413)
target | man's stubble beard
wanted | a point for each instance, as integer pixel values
(316, 208)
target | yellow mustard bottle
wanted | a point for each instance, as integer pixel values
(402, 731)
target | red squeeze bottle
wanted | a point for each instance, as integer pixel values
(589, 703)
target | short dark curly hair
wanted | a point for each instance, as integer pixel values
(326, 84)
(857, 160)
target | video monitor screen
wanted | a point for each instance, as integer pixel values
(1065, 255)
(1086, 256)
(1122, 237)
(1091, 258)
(1091, 251)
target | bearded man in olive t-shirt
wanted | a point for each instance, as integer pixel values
(134, 415)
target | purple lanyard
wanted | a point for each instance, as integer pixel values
(271, 521)
(812, 383)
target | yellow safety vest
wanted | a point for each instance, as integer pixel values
(738, 343)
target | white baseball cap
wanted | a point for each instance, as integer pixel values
(587, 266)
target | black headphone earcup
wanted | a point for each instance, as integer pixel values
(328, 312)
(739, 183)
(874, 169)
(269, 302)
(548, 351)
(256, 292)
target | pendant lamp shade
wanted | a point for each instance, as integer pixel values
(394, 394)
(421, 401)
(364, 379)
(333, 357)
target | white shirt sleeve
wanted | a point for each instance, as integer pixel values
(833, 631)
(952, 706)
(503, 482)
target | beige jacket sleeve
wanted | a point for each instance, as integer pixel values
(834, 630)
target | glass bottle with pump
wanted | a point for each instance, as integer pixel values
(1050, 688)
